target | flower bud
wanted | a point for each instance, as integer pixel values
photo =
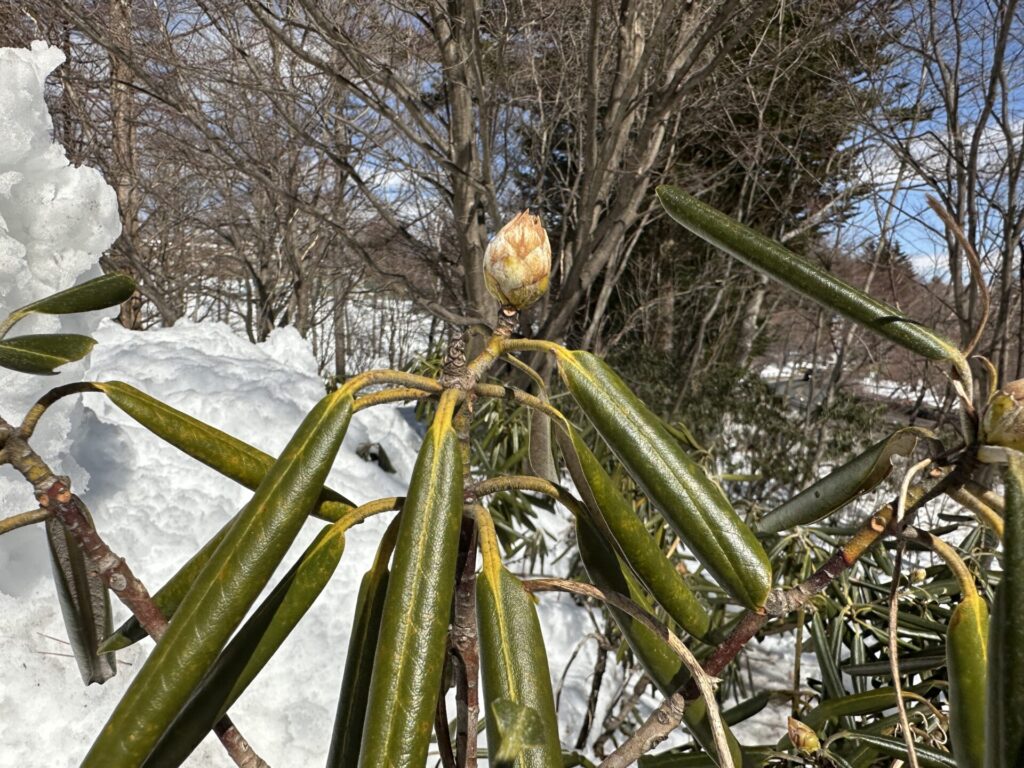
(517, 262)
(1002, 422)
(803, 736)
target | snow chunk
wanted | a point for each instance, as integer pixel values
(55, 222)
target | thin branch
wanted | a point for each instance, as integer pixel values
(28, 424)
(948, 554)
(465, 649)
(783, 602)
(975, 265)
(444, 736)
(527, 483)
(398, 395)
(517, 395)
(894, 659)
(667, 717)
(981, 510)
(25, 518)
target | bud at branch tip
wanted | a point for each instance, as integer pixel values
(517, 262)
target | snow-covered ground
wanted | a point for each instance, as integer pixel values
(156, 506)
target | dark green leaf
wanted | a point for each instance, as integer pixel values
(690, 502)
(746, 709)
(825, 653)
(660, 662)
(43, 353)
(519, 703)
(519, 728)
(98, 293)
(779, 263)
(927, 757)
(616, 517)
(362, 647)
(410, 655)
(844, 484)
(228, 455)
(1004, 734)
(967, 652)
(250, 649)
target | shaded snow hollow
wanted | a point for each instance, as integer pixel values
(154, 505)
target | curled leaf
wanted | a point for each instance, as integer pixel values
(843, 485)
(690, 502)
(362, 647)
(225, 588)
(660, 662)
(641, 553)
(1004, 732)
(967, 659)
(410, 654)
(84, 604)
(520, 705)
(250, 649)
(781, 264)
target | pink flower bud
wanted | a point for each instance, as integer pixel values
(517, 262)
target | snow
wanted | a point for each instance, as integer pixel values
(55, 221)
(154, 505)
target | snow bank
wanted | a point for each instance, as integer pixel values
(55, 221)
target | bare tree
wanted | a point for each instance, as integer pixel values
(967, 151)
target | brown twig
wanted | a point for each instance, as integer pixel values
(667, 717)
(975, 265)
(595, 691)
(894, 658)
(464, 648)
(444, 736)
(236, 745)
(783, 602)
(25, 518)
(613, 722)
(459, 374)
(28, 424)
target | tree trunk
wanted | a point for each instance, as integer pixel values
(122, 139)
